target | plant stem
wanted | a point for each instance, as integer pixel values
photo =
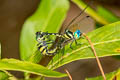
(68, 74)
(27, 75)
(9, 74)
(97, 59)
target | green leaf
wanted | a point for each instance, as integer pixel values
(106, 41)
(110, 76)
(107, 15)
(3, 76)
(16, 65)
(98, 25)
(37, 78)
(91, 12)
(48, 17)
(36, 57)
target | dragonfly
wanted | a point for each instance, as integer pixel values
(69, 35)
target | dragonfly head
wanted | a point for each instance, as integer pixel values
(39, 36)
(77, 34)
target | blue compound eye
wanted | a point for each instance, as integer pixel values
(77, 34)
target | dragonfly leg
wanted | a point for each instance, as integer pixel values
(71, 44)
(38, 44)
(49, 42)
(76, 42)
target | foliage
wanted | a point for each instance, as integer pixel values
(101, 42)
(110, 76)
(25, 66)
(107, 15)
(3, 76)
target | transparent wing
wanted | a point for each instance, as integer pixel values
(85, 24)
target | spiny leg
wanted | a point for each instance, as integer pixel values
(48, 37)
(38, 44)
(79, 43)
(71, 44)
(75, 41)
(50, 42)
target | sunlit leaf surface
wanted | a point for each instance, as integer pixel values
(13, 64)
(3, 76)
(107, 15)
(106, 41)
(109, 76)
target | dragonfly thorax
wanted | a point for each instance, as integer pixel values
(68, 34)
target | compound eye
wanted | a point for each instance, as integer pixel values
(38, 39)
(41, 36)
(37, 33)
(78, 32)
